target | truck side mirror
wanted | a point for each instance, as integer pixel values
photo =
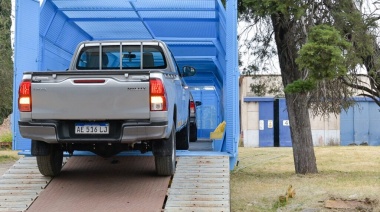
(188, 71)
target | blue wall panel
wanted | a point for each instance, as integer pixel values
(58, 38)
(54, 58)
(347, 127)
(26, 57)
(231, 84)
(374, 121)
(361, 124)
(284, 128)
(266, 118)
(208, 114)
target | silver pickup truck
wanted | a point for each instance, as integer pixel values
(116, 96)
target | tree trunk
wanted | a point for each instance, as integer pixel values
(286, 33)
(303, 150)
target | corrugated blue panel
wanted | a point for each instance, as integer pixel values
(222, 31)
(120, 30)
(179, 14)
(361, 124)
(59, 37)
(70, 36)
(100, 14)
(54, 58)
(204, 49)
(55, 28)
(266, 121)
(47, 15)
(208, 117)
(347, 127)
(93, 4)
(222, 35)
(220, 70)
(231, 84)
(374, 120)
(180, 5)
(26, 57)
(182, 29)
(284, 128)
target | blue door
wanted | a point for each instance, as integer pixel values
(284, 127)
(266, 124)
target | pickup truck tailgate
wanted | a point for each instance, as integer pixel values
(98, 97)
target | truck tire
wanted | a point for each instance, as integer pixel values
(165, 155)
(51, 164)
(183, 137)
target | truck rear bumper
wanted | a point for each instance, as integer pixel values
(56, 132)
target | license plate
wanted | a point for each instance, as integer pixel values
(92, 128)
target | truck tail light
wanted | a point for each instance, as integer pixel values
(157, 95)
(192, 107)
(25, 96)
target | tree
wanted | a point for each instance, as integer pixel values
(6, 64)
(319, 45)
(361, 30)
(345, 30)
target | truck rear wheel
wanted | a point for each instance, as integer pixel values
(165, 155)
(51, 164)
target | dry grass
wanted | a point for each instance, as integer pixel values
(264, 174)
(8, 156)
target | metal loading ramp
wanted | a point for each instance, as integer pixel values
(201, 183)
(21, 184)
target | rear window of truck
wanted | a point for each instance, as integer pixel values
(121, 57)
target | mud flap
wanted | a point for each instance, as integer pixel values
(40, 148)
